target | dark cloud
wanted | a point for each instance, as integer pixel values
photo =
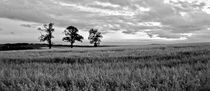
(150, 35)
(12, 33)
(129, 32)
(26, 25)
(30, 25)
(115, 29)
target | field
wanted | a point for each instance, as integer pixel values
(178, 67)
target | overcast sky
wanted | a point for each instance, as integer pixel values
(120, 21)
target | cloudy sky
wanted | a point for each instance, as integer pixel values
(120, 21)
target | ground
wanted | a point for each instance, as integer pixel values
(177, 67)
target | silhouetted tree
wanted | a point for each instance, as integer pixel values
(48, 28)
(95, 37)
(72, 35)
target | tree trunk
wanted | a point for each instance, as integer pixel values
(50, 36)
(95, 44)
(71, 45)
(50, 44)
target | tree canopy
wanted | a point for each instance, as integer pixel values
(95, 37)
(48, 28)
(72, 35)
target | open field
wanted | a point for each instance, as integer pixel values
(180, 67)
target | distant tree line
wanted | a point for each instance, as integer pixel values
(71, 35)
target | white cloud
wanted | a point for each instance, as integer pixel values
(206, 9)
(98, 10)
(106, 4)
(158, 24)
(142, 8)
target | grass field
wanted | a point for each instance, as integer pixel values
(180, 67)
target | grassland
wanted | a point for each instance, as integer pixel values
(180, 67)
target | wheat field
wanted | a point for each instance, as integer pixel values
(180, 67)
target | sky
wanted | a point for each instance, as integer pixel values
(120, 21)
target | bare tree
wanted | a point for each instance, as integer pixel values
(72, 35)
(48, 28)
(95, 37)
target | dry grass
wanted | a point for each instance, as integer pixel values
(161, 68)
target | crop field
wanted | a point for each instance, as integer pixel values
(180, 67)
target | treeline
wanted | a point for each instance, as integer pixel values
(20, 46)
(71, 35)
(29, 46)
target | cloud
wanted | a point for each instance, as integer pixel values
(26, 25)
(108, 28)
(174, 21)
(154, 18)
(24, 10)
(30, 25)
(106, 4)
(165, 34)
(194, 21)
(1, 29)
(129, 32)
(12, 33)
(99, 10)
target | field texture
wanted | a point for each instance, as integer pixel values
(126, 68)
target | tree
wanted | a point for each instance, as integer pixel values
(72, 35)
(48, 28)
(95, 37)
